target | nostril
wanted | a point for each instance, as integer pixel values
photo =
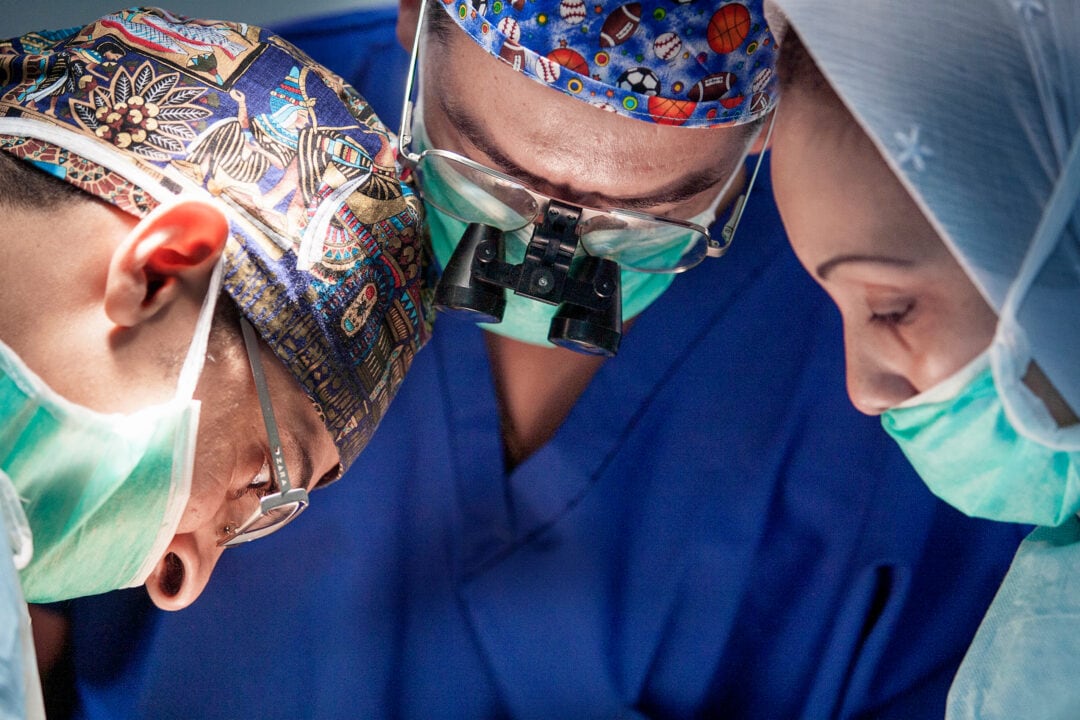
(172, 579)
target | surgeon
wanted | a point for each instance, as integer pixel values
(180, 366)
(691, 523)
(944, 223)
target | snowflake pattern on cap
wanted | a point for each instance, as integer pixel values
(693, 63)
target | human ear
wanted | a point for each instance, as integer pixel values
(182, 573)
(408, 14)
(173, 249)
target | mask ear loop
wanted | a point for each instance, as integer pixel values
(196, 356)
(1008, 367)
(187, 432)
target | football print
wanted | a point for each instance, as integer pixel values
(620, 25)
(712, 87)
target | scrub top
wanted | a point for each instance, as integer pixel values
(713, 532)
(1025, 659)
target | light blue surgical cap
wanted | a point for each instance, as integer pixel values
(975, 105)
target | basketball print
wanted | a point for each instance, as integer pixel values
(728, 28)
(667, 46)
(572, 11)
(668, 111)
(620, 25)
(702, 61)
(569, 60)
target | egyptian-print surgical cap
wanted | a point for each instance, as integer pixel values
(694, 63)
(325, 255)
(976, 108)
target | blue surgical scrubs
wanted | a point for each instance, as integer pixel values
(713, 532)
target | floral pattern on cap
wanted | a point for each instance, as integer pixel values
(326, 253)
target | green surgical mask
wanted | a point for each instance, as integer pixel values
(99, 496)
(960, 440)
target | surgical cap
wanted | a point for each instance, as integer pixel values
(324, 259)
(976, 108)
(694, 64)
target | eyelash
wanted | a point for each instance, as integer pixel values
(893, 319)
(261, 489)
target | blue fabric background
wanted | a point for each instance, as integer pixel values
(714, 532)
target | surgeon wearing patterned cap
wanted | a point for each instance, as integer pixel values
(494, 147)
(211, 293)
(697, 526)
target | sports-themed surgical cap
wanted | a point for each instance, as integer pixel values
(324, 257)
(702, 63)
(976, 108)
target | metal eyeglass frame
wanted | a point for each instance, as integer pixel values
(286, 494)
(714, 248)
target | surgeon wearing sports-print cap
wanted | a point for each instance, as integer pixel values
(689, 519)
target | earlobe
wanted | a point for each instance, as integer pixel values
(408, 13)
(172, 250)
(181, 575)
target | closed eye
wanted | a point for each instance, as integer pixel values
(261, 485)
(891, 319)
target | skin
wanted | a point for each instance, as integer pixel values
(132, 316)
(478, 106)
(911, 315)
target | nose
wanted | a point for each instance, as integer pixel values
(875, 377)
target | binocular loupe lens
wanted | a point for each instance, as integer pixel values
(459, 290)
(587, 290)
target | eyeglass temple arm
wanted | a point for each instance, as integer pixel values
(405, 131)
(717, 249)
(251, 342)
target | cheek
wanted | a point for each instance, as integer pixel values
(210, 483)
(957, 338)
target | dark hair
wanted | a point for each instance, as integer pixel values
(796, 69)
(26, 187)
(439, 24)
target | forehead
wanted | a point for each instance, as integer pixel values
(835, 191)
(471, 97)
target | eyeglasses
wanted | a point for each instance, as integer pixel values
(279, 508)
(471, 192)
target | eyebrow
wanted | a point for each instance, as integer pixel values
(828, 266)
(682, 189)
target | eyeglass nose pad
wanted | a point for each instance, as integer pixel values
(595, 332)
(459, 290)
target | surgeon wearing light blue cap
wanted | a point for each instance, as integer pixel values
(943, 145)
